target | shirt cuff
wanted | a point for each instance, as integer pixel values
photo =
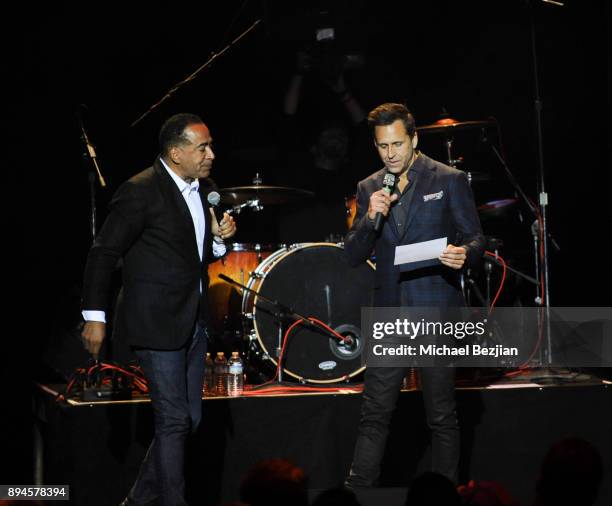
(94, 316)
(219, 249)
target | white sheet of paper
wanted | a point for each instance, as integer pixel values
(419, 251)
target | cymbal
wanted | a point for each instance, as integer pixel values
(267, 195)
(496, 208)
(450, 126)
(477, 176)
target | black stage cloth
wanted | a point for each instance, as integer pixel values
(505, 434)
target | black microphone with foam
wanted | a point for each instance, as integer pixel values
(214, 199)
(388, 186)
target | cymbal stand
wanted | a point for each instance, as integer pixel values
(252, 203)
(540, 265)
(489, 261)
(454, 162)
(466, 283)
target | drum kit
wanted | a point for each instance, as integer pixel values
(313, 279)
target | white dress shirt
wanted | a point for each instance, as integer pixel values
(190, 192)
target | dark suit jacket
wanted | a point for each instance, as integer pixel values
(452, 215)
(150, 227)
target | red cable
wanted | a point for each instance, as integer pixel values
(299, 389)
(139, 381)
(503, 280)
(525, 365)
(285, 340)
(319, 322)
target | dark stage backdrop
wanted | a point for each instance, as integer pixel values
(471, 58)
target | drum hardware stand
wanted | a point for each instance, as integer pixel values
(454, 162)
(252, 203)
(281, 313)
(541, 267)
(280, 317)
(494, 335)
(514, 271)
(489, 261)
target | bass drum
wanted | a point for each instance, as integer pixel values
(225, 300)
(315, 280)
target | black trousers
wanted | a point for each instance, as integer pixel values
(381, 389)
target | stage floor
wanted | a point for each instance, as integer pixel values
(507, 426)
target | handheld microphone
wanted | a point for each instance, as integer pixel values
(214, 199)
(388, 187)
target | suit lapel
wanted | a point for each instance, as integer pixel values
(178, 204)
(205, 189)
(422, 185)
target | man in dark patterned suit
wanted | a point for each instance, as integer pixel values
(162, 227)
(430, 201)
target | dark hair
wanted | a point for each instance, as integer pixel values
(172, 132)
(386, 114)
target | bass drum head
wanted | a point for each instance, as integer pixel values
(315, 280)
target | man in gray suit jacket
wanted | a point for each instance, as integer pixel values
(162, 227)
(430, 201)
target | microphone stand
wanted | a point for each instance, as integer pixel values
(282, 313)
(193, 75)
(543, 196)
(90, 161)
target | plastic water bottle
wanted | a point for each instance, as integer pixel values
(209, 377)
(220, 373)
(235, 376)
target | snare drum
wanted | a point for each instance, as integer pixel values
(224, 299)
(315, 280)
